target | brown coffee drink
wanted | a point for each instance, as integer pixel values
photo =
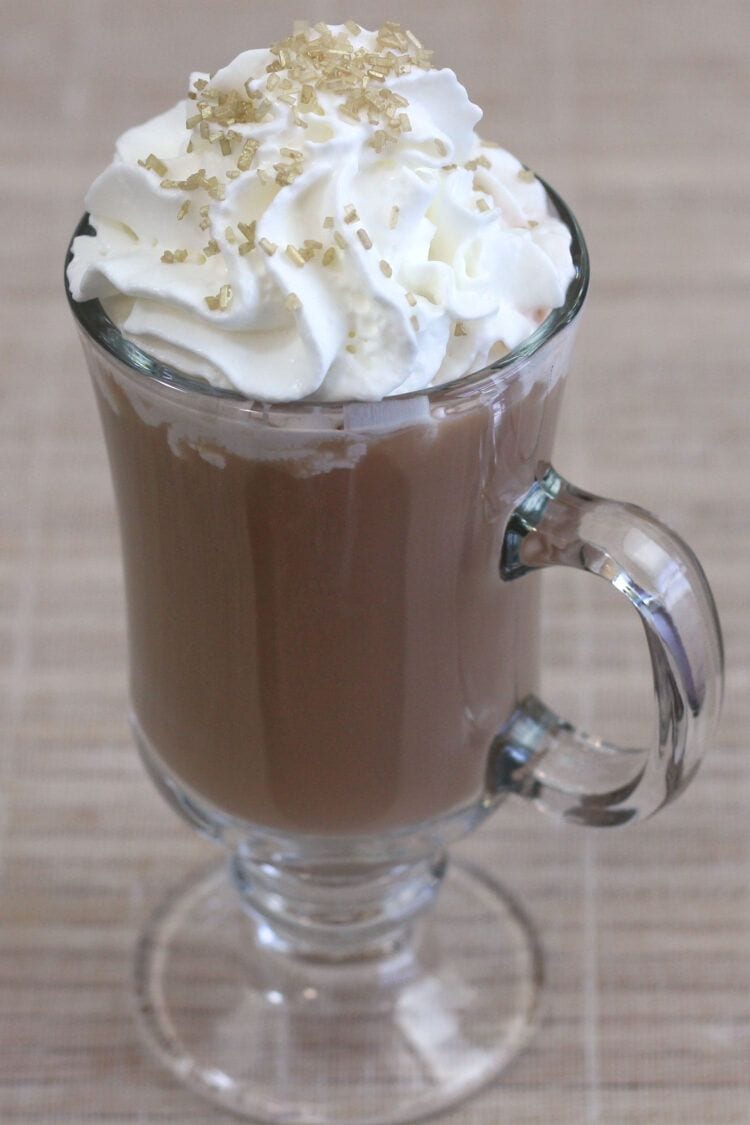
(319, 637)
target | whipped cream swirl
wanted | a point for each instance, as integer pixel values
(321, 219)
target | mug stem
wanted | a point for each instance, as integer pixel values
(335, 913)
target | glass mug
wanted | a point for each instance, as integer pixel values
(333, 629)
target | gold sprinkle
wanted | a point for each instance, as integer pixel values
(385, 268)
(248, 229)
(180, 255)
(352, 333)
(194, 120)
(395, 212)
(200, 84)
(222, 300)
(352, 27)
(533, 223)
(189, 146)
(526, 175)
(292, 302)
(414, 323)
(272, 81)
(212, 247)
(287, 173)
(411, 299)
(263, 176)
(482, 205)
(245, 248)
(449, 167)
(154, 164)
(329, 257)
(351, 348)
(460, 329)
(378, 140)
(167, 256)
(292, 153)
(441, 147)
(350, 213)
(480, 161)
(229, 234)
(249, 149)
(204, 131)
(328, 222)
(313, 244)
(404, 123)
(267, 246)
(339, 239)
(233, 173)
(364, 238)
(294, 255)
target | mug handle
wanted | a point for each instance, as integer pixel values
(547, 760)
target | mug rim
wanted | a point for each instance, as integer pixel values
(100, 328)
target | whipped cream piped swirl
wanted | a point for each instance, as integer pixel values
(321, 219)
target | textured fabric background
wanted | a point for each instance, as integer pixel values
(638, 113)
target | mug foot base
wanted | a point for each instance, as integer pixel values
(278, 1037)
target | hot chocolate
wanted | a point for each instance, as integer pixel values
(319, 636)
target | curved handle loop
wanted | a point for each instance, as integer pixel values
(544, 758)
